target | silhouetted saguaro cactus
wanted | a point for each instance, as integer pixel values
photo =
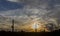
(13, 25)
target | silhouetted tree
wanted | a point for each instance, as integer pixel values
(50, 26)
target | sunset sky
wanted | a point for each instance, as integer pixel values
(27, 12)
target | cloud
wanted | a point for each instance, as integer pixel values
(33, 10)
(13, 0)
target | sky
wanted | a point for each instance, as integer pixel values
(25, 11)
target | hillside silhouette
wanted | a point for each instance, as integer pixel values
(23, 33)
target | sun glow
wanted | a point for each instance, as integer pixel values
(35, 26)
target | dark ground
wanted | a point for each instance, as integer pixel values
(54, 33)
